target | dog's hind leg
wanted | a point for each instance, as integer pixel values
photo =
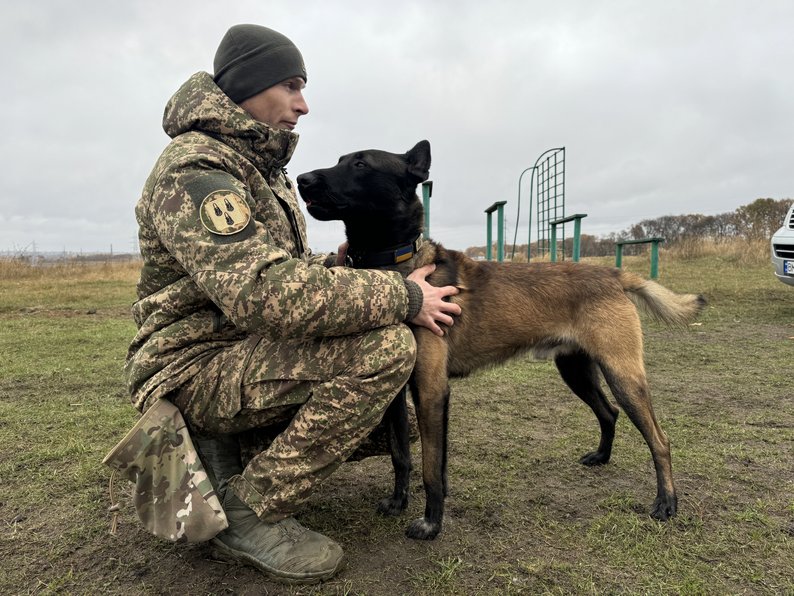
(399, 442)
(627, 381)
(430, 390)
(580, 373)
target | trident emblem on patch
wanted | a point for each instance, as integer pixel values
(224, 212)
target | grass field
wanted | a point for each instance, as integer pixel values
(522, 517)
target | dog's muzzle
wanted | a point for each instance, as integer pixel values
(314, 192)
(308, 185)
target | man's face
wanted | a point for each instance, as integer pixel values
(279, 106)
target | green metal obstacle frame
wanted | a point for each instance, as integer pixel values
(548, 173)
(654, 242)
(499, 207)
(577, 229)
(547, 183)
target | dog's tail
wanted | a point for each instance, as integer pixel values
(661, 303)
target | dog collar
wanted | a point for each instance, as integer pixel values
(390, 256)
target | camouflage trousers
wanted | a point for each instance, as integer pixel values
(326, 394)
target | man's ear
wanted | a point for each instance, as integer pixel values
(418, 160)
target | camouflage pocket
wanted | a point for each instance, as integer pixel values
(173, 495)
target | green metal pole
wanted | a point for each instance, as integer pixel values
(427, 192)
(500, 233)
(501, 249)
(577, 228)
(530, 207)
(553, 247)
(654, 259)
(618, 255)
(488, 242)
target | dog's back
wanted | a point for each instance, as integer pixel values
(549, 308)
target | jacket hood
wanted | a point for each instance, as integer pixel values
(200, 105)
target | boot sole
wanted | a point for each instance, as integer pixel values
(225, 553)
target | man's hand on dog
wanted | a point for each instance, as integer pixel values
(341, 254)
(434, 308)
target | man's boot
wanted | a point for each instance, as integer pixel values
(285, 550)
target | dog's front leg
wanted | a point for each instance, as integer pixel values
(430, 390)
(400, 444)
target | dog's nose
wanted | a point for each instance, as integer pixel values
(306, 180)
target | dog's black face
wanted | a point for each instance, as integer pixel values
(366, 184)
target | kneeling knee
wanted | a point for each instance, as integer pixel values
(403, 348)
(391, 350)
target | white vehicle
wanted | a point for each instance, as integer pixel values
(783, 249)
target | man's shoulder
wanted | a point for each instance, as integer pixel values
(198, 149)
(199, 144)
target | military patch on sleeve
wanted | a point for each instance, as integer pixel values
(224, 212)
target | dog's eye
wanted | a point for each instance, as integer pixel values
(359, 164)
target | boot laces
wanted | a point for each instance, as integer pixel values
(291, 528)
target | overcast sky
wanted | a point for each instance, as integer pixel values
(664, 107)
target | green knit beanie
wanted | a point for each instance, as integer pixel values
(252, 58)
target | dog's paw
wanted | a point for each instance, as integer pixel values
(664, 507)
(421, 529)
(392, 506)
(594, 458)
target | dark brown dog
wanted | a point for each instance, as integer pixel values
(582, 315)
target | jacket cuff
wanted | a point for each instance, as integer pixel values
(415, 299)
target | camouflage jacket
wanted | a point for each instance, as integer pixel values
(225, 258)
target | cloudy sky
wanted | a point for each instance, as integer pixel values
(664, 107)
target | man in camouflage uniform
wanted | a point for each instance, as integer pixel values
(241, 327)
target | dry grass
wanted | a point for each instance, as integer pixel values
(67, 286)
(736, 250)
(15, 269)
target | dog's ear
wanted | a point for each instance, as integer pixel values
(418, 160)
